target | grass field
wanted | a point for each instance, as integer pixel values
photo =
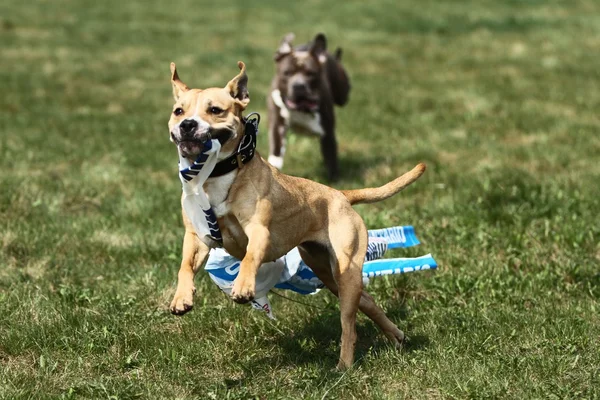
(500, 98)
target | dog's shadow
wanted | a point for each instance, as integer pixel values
(317, 340)
(313, 348)
(350, 164)
(353, 164)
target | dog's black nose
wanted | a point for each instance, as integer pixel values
(188, 126)
(299, 88)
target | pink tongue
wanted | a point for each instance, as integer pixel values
(306, 103)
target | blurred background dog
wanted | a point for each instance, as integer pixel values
(308, 82)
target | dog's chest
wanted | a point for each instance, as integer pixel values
(217, 190)
(307, 123)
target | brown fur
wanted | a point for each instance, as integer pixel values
(264, 214)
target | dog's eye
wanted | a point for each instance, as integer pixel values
(215, 110)
(178, 111)
(288, 72)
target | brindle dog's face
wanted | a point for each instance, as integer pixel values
(216, 113)
(300, 73)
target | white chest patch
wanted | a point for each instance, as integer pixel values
(217, 190)
(309, 123)
(301, 122)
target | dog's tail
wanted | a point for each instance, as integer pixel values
(373, 195)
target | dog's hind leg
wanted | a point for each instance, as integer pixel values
(367, 305)
(375, 313)
(318, 261)
(348, 239)
(349, 292)
(194, 255)
(344, 285)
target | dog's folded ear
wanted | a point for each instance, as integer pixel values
(285, 47)
(238, 86)
(178, 87)
(318, 48)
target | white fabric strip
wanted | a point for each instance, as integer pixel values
(195, 201)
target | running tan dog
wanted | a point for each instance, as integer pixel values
(263, 213)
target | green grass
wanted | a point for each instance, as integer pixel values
(499, 98)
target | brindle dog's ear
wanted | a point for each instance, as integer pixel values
(318, 47)
(178, 87)
(338, 54)
(285, 47)
(238, 86)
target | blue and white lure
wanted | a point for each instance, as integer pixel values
(291, 273)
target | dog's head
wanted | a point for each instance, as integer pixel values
(300, 72)
(199, 114)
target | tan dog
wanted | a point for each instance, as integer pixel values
(263, 213)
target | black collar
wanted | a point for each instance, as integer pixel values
(245, 151)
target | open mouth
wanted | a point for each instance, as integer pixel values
(186, 140)
(188, 147)
(306, 105)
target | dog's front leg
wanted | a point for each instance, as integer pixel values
(277, 132)
(194, 255)
(328, 143)
(258, 242)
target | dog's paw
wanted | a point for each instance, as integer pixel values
(342, 366)
(397, 337)
(243, 291)
(182, 302)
